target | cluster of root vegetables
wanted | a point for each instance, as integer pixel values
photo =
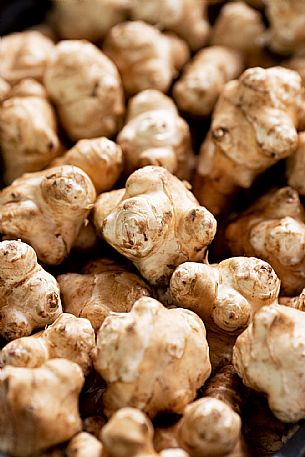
(152, 253)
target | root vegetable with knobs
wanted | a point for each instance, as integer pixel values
(39, 406)
(141, 357)
(295, 167)
(107, 287)
(47, 209)
(146, 58)
(203, 79)
(84, 445)
(29, 296)
(266, 106)
(86, 89)
(27, 130)
(155, 134)
(68, 337)
(274, 230)
(158, 224)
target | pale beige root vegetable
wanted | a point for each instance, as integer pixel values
(203, 79)
(273, 229)
(28, 136)
(155, 134)
(158, 224)
(186, 18)
(47, 209)
(100, 158)
(87, 19)
(39, 406)
(29, 296)
(269, 357)
(24, 55)
(128, 433)
(86, 89)
(296, 166)
(297, 302)
(287, 25)
(69, 337)
(141, 357)
(173, 452)
(241, 27)
(105, 203)
(87, 239)
(146, 58)
(296, 63)
(4, 89)
(84, 445)
(93, 425)
(109, 287)
(254, 125)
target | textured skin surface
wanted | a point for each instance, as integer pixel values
(107, 287)
(84, 445)
(105, 203)
(266, 106)
(68, 337)
(39, 406)
(204, 77)
(296, 167)
(29, 296)
(28, 136)
(155, 134)
(87, 19)
(146, 58)
(86, 89)
(269, 365)
(186, 18)
(47, 209)
(24, 55)
(141, 358)
(100, 158)
(158, 224)
(273, 229)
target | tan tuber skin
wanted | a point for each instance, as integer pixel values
(29, 296)
(84, 445)
(155, 134)
(87, 19)
(186, 18)
(203, 79)
(267, 364)
(265, 105)
(28, 136)
(86, 89)
(105, 203)
(296, 63)
(287, 25)
(296, 167)
(148, 364)
(100, 158)
(273, 228)
(68, 337)
(47, 209)
(104, 287)
(4, 89)
(297, 302)
(146, 58)
(39, 406)
(24, 55)
(158, 224)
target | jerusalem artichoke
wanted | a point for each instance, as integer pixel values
(296, 166)
(84, 445)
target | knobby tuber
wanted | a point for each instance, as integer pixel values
(84, 445)
(29, 296)
(295, 168)
(47, 209)
(155, 134)
(141, 357)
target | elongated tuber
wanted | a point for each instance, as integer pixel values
(273, 228)
(39, 406)
(186, 18)
(28, 136)
(265, 105)
(84, 445)
(140, 357)
(47, 209)
(86, 89)
(24, 55)
(29, 296)
(68, 337)
(109, 287)
(269, 357)
(100, 158)
(155, 134)
(146, 58)
(203, 79)
(158, 224)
